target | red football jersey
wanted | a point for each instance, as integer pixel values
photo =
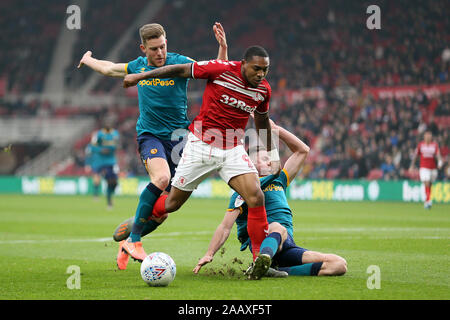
(227, 103)
(427, 153)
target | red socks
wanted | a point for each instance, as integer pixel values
(257, 227)
(159, 208)
(428, 192)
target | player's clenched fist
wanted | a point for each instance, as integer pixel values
(130, 80)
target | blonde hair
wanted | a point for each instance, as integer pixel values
(151, 31)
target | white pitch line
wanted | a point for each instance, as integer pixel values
(53, 241)
(300, 239)
(371, 229)
(187, 233)
(156, 235)
(193, 233)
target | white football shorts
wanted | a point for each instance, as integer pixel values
(428, 174)
(200, 159)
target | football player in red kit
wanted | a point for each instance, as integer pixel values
(428, 150)
(234, 90)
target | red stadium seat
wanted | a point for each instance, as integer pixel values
(332, 173)
(375, 174)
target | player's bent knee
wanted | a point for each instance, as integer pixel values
(340, 269)
(161, 181)
(277, 227)
(336, 264)
(342, 266)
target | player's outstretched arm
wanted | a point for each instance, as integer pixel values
(264, 129)
(299, 151)
(171, 71)
(106, 68)
(220, 236)
(221, 38)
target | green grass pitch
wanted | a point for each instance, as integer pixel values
(41, 236)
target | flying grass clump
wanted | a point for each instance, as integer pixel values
(227, 268)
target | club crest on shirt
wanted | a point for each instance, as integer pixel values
(259, 97)
(239, 201)
(181, 180)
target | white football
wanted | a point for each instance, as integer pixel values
(158, 269)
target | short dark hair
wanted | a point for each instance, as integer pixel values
(253, 51)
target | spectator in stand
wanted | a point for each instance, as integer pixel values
(388, 168)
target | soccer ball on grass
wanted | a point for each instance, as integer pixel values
(158, 269)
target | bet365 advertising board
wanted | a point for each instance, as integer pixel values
(324, 190)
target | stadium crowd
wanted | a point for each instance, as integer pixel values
(28, 32)
(313, 44)
(366, 138)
